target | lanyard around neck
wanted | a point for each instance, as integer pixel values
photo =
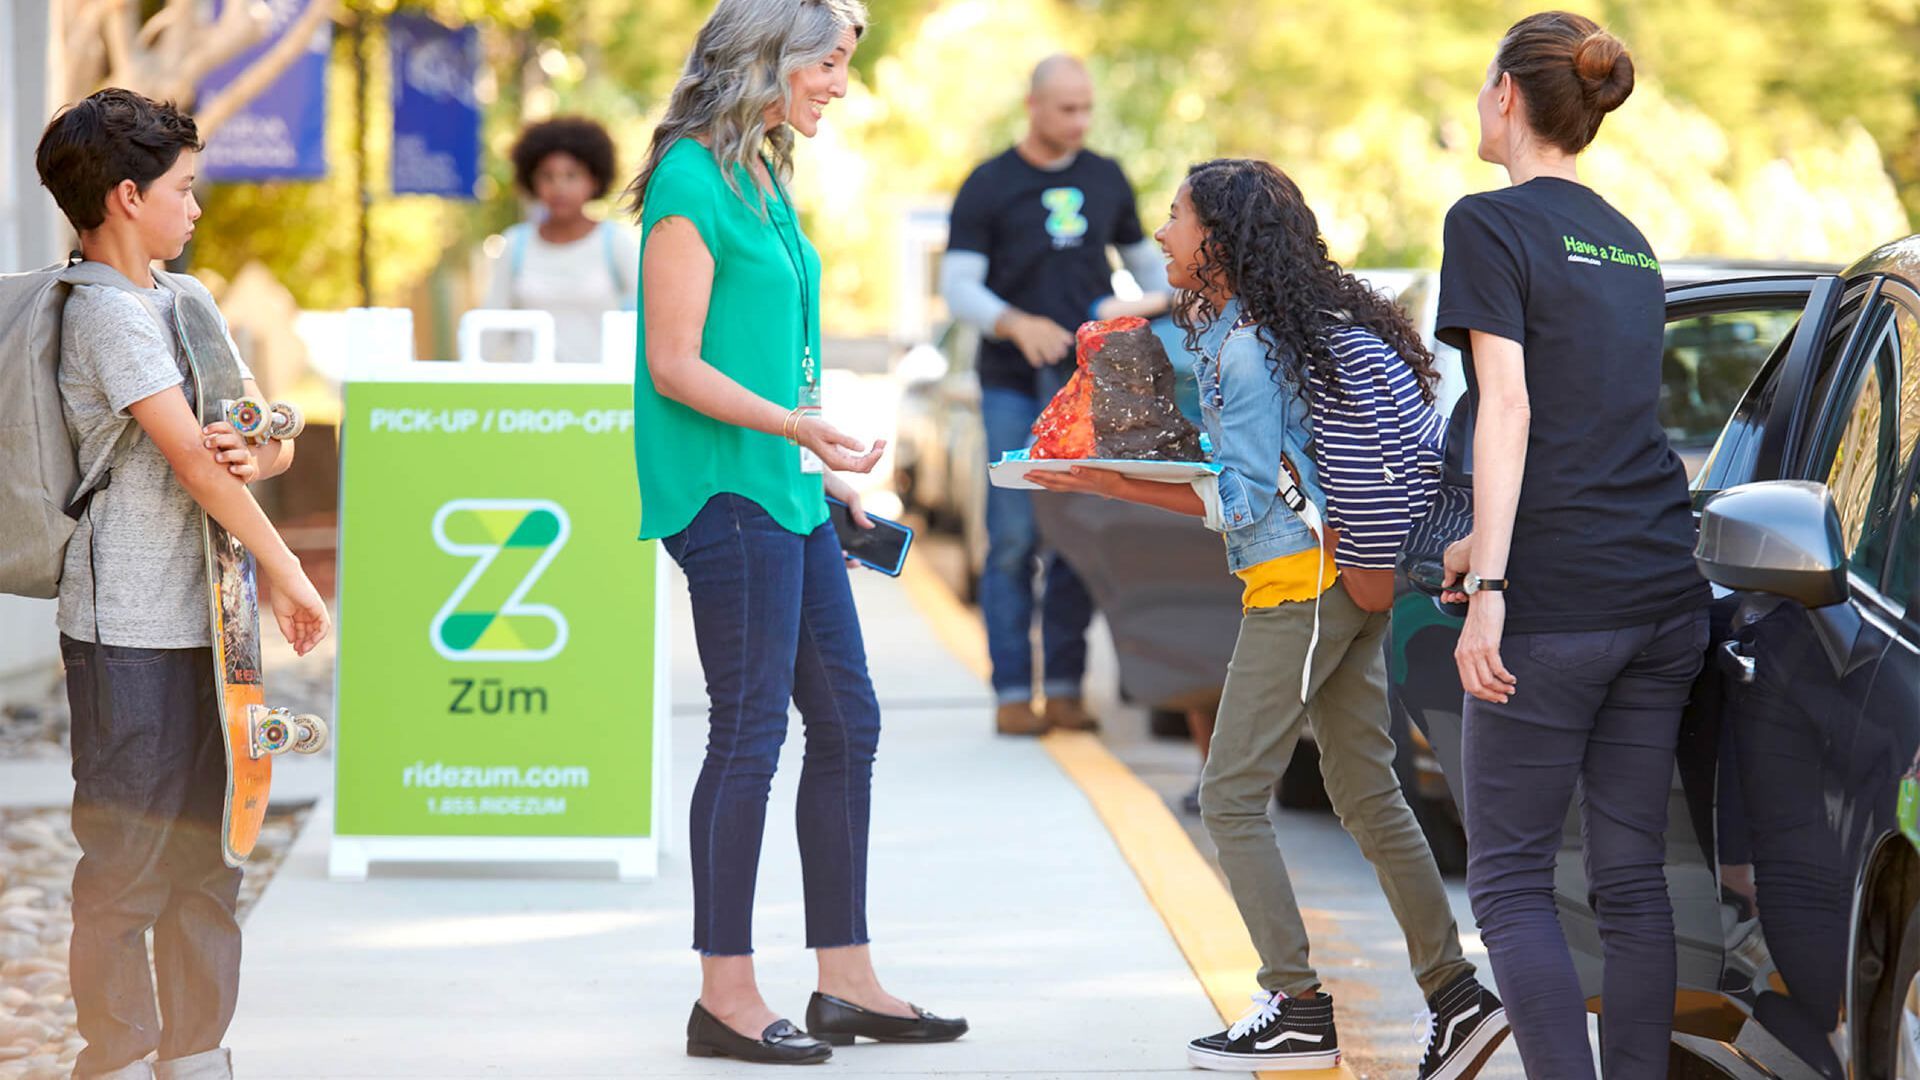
(796, 257)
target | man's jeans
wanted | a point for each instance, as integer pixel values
(149, 770)
(1013, 545)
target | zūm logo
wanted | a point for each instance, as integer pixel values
(1065, 223)
(512, 542)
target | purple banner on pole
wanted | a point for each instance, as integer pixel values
(436, 117)
(281, 134)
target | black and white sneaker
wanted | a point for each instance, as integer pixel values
(1279, 1032)
(1462, 1029)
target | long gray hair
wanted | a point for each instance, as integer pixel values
(740, 64)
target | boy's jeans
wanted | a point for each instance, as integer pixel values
(149, 776)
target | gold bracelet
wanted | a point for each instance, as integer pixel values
(791, 429)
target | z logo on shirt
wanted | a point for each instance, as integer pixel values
(1065, 223)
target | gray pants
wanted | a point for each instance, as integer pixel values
(1260, 721)
(1598, 713)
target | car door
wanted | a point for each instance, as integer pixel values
(1814, 710)
(1730, 349)
(1719, 334)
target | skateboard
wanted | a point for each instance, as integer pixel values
(255, 733)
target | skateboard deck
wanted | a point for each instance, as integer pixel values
(254, 733)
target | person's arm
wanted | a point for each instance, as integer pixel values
(1483, 298)
(1148, 267)
(1082, 480)
(677, 279)
(963, 279)
(1150, 306)
(1499, 462)
(176, 432)
(247, 462)
(499, 296)
(626, 257)
(963, 284)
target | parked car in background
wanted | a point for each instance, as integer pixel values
(1793, 848)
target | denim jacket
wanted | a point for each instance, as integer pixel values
(1251, 419)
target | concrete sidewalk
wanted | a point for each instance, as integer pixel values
(996, 893)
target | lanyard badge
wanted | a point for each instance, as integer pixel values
(810, 402)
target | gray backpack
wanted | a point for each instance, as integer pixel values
(42, 493)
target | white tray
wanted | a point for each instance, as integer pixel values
(1013, 468)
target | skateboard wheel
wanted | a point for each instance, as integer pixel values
(309, 734)
(272, 733)
(286, 420)
(249, 417)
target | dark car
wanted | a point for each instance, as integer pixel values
(1793, 854)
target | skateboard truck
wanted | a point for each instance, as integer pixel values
(256, 421)
(273, 731)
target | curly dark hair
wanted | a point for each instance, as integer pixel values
(1264, 245)
(578, 136)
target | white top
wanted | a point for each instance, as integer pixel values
(576, 282)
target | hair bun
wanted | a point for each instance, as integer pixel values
(1605, 70)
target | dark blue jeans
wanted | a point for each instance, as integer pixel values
(1013, 546)
(774, 620)
(149, 772)
(1596, 712)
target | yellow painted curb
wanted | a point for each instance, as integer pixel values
(1178, 882)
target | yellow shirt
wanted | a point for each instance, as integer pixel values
(1303, 575)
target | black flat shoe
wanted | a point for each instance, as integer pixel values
(838, 1022)
(780, 1044)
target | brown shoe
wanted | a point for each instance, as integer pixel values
(1069, 714)
(1018, 718)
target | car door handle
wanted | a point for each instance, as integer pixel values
(1737, 665)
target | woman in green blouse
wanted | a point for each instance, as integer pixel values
(734, 462)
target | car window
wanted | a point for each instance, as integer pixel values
(1865, 453)
(1707, 363)
(1903, 567)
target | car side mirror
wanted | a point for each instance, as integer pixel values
(1780, 537)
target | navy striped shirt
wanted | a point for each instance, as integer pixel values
(1377, 445)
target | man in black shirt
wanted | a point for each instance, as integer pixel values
(1027, 262)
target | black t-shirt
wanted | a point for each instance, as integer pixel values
(1045, 235)
(1604, 534)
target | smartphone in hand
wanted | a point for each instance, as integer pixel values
(883, 547)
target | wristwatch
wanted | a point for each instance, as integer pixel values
(1474, 583)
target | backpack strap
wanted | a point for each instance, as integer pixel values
(610, 250)
(80, 272)
(517, 240)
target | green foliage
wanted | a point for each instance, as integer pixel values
(1785, 128)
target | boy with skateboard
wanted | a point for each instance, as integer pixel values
(149, 755)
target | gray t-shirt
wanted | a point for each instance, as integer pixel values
(142, 531)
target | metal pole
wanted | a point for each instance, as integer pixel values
(361, 89)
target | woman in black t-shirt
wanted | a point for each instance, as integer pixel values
(1586, 622)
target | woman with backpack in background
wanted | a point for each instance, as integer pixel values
(1309, 384)
(1586, 620)
(565, 262)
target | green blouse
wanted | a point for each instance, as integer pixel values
(753, 333)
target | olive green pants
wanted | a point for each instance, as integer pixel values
(1261, 719)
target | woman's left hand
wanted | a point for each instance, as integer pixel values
(1482, 673)
(1083, 481)
(838, 488)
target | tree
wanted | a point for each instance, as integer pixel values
(166, 54)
